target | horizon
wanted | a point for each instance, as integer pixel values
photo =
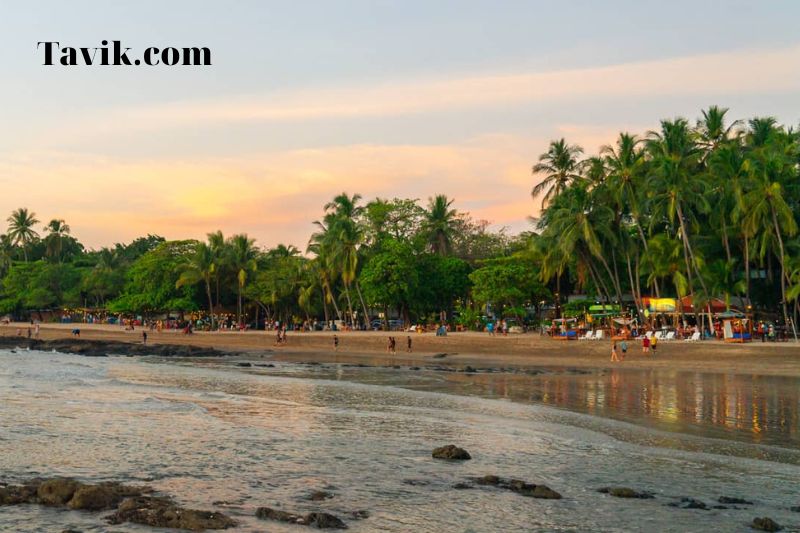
(383, 100)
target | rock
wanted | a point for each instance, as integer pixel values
(324, 521)
(413, 368)
(733, 501)
(765, 524)
(795, 509)
(17, 494)
(244, 365)
(469, 370)
(523, 488)
(318, 520)
(451, 452)
(689, 503)
(360, 515)
(625, 492)
(56, 491)
(416, 482)
(71, 531)
(103, 496)
(439, 356)
(320, 495)
(162, 512)
(462, 486)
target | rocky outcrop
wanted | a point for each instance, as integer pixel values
(625, 492)
(318, 520)
(727, 500)
(163, 512)
(128, 502)
(765, 524)
(689, 503)
(523, 488)
(451, 452)
(99, 348)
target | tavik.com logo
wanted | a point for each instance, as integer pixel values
(117, 55)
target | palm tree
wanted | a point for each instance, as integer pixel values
(440, 224)
(767, 211)
(20, 229)
(677, 191)
(712, 130)
(561, 167)
(216, 241)
(200, 267)
(57, 229)
(242, 258)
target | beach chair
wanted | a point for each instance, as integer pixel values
(589, 336)
(660, 335)
(694, 338)
(670, 336)
(598, 335)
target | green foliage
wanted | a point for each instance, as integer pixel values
(508, 282)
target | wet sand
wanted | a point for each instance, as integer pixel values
(468, 348)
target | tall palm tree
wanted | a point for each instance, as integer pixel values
(768, 212)
(677, 191)
(200, 267)
(440, 224)
(57, 229)
(560, 166)
(20, 229)
(216, 241)
(242, 255)
(712, 129)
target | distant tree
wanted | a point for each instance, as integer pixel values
(20, 229)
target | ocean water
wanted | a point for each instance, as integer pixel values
(216, 436)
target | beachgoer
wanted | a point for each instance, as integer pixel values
(408, 344)
(29, 333)
(624, 347)
(653, 343)
(335, 343)
(144, 337)
(76, 332)
(36, 331)
(645, 344)
(614, 357)
(389, 345)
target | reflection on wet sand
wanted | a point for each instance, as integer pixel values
(747, 408)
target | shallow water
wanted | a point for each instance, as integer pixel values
(218, 436)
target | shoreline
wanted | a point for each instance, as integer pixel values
(461, 349)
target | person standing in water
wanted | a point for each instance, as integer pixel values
(144, 337)
(624, 347)
(335, 343)
(408, 347)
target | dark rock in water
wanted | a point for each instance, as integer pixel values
(320, 495)
(413, 368)
(360, 515)
(462, 486)
(733, 501)
(162, 512)
(71, 531)
(523, 488)
(689, 503)
(766, 524)
(795, 509)
(469, 370)
(244, 365)
(265, 365)
(101, 348)
(625, 492)
(56, 491)
(103, 496)
(324, 521)
(317, 519)
(439, 355)
(396, 367)
(451, 452)
(416, 482)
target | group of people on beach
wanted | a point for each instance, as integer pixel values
(618, 351)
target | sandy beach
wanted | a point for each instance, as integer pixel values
(466, 348)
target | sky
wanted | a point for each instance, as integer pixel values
(308, 99)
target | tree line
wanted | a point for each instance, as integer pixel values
(708, 209)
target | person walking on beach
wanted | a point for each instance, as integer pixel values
(653, 343)
(645, 344)
(36, 330)
(624, 347)
(144, 337)
(389, 345)
(335, 343)
(393, 345)
(408, 344)
(614, 357)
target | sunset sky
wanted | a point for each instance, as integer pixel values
(308, 99)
